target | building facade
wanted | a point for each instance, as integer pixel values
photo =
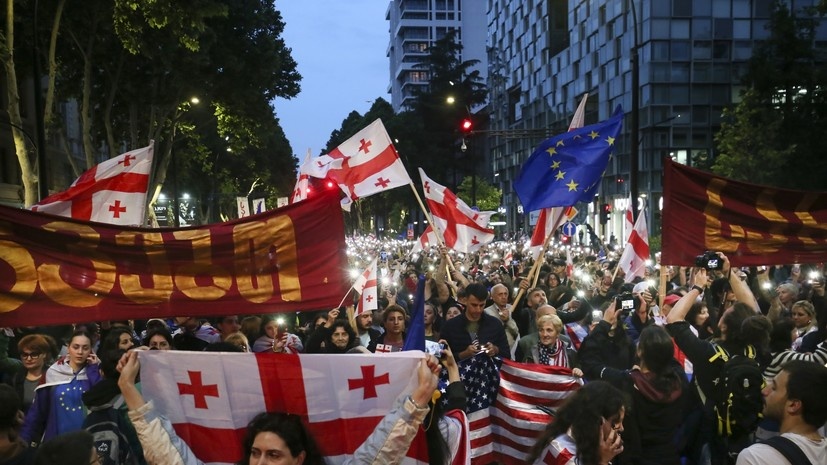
(545, 55)
(415, 25)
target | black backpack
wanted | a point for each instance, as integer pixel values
(112, 445)
(737, 398)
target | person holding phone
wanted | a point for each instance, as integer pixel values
(58, 404)
(586, 430)
(275, 337)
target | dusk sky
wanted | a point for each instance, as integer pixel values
(340, 47)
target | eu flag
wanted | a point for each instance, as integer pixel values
(567, 168)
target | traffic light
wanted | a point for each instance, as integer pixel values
(466, 126)
(605, 209)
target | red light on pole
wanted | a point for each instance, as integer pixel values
(466, 125)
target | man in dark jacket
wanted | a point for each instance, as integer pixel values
(474, 330)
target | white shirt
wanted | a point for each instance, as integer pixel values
(762, 454)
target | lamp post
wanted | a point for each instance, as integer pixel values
(635, 129)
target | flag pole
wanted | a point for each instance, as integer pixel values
(151, 179)
(437, 231)
(534, 268)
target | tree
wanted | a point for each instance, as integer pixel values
(773, 135)
(489, 198)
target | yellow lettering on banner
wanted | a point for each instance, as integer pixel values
(260, 248)
(25, 275)
(161, 286)
(201, 266)
(62, 292)
(802, 211)
(713, 231)
(754, 242)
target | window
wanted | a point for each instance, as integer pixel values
(720, 50)
(682, 8)
(680, 50)
(723, 28)
(702, 50)
(702, 28)
(741, 29)
(680, 72)
(680, 29)
(702, 7)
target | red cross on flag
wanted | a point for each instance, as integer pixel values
(366, 164)
(210, 398)
(310, 167)
(549, 220)
(366, 285)
(111, 192)
(633, 260)
(463, 228)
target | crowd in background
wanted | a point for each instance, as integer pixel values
(579, 312)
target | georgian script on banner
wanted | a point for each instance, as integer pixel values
(753, 225)
(56, 270)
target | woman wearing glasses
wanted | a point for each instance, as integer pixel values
(36, 352)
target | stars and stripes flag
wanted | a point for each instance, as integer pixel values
(508, 404)
(365, 164)
(549, 220)
(210, 398)
(633, 259)
(112, 192)
(463, 228)
(366, 285)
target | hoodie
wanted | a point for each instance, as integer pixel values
(652, 423)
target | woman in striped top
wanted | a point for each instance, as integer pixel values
(781, 341)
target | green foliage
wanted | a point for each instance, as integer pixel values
(488, 197)
(773, 135)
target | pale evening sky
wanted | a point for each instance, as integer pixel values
(340, 48)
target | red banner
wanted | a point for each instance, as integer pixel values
(55, 270)
(752, 224)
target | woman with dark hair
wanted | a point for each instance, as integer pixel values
(74, 448)
(700, 320)
(744, 332)
(657, 392)
(781, 340)
(337, 337)
(58, 405)
(159, 339)
(432, 322)
(586, 429)
(119, 337)
(282, 438)
(274, 336)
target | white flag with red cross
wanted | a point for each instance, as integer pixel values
(633, 260)
(365, 164)
(310, 167)
(210, 397)
(463, 228)
(427, 239)
(549, 220)
(111, 192)
(366, 285)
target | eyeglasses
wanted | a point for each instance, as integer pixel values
(30, 355)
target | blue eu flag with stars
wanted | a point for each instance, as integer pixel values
(567, 168)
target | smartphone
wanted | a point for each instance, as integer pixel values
(281, 330)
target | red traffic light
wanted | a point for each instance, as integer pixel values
(607, 208)
(466, 125)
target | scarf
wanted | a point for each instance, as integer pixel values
(554, 354)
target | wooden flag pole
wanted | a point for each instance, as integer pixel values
(437, 231)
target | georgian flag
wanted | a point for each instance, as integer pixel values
(427, 239)
(316, 168)
(112, 192)
(633, 260)
(365, 164)
(549, 220)
(463, 229)
(366, 285)
(210, 398)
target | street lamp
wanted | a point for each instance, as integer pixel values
(635, 129)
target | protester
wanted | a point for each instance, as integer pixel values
(364, 329)
(393, 339)
(501, 309)
(73, 448)
(278, 435)
(586, 429)
(13, 450)
(475, 331)
(432, 322)
(607, 352)
(239, 340)
(526, 316)
(803, 315)
(550, 349)
(227, 325)
(36, 352)
(158, 339)
(275, 337)
(58, 406)
(193, 334)
(795, 398)
(335, 337)
(119, 337)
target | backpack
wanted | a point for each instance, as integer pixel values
(737, 398)
(112, 445)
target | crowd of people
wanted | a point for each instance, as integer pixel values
(710, 368)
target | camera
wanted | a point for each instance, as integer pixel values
(710, 261)
(625, 301)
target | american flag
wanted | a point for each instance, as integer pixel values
(508, 405)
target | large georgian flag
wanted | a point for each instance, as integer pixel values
(365, 164)
(111, 192)
(210, 398)
(463, 228)
(633, 260)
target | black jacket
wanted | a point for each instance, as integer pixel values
(606, 357)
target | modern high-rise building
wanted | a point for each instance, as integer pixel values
(544, 55)
(415, 25)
